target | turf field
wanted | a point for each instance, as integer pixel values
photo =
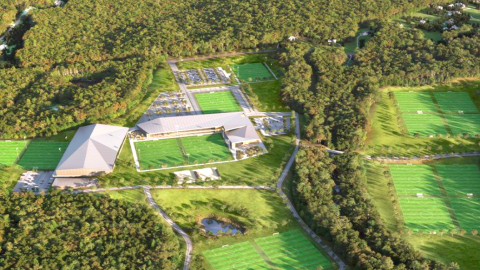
(203, 149)
(428, 214)
(424, 124)
(460, 179)
(413, 179)
(237, 256)
(9, 151)
(415, 101)
(153, 154)
(252, 72)
(43, 155)
(218, 102)
(467, 212)
(455, 102)
(292, 250)
(181, 151)
(464, 123)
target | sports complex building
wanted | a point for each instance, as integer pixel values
(236, 128)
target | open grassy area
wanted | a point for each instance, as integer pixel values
(224, 62)
(464, 123)
(43, 155)
(10, 151)
(182, 151)
(351, 46)
(433, 35)
(455, 102)
(386, 135)
(460, 180)
(415, 101)
(252, 72)
(217, 102)
(424, 124)
(474, 13)
(412, 179)
(263, 214)
(237, 256)
(268, 94)
(426, 214)
(131, 196)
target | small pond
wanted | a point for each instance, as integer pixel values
(214, 226)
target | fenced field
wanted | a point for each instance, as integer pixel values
(252, 72)
(10, 150)
(218, 102)
(43, 155)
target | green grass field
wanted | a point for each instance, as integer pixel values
(237, 256)
(460, 180)
(292, 250)
(208, 148)
(218, 102)
(43, 155)
(415, 101)
(10, 150)
(412, 179)
(268, 94)
(424, 124)
(252, 72)
(474, 13)
(464, 123)
(182, 151)
(426, 214)
(467, 212)
(455, 102)
(351, 46)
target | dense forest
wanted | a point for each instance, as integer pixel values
(84, 231)
(78, 63)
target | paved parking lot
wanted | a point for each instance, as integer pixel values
(204, 76)
(271, 126)
(167, 105)
(34, 181)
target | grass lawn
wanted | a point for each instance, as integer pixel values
(415, 101)
(455, 102)
(461, 249)
(10, 151)
(182, 151)
(464, 123)
(252, 72)
(460, 180)
(131, 196)
(236, 256)
(412, 179)
(474, 13)
(43, 155)
(424, 124)
(435, 35)
(162, 81)
(352, 45)
(427, 214)
(467, 212)
(385, 136)
(268, 94)
(217, 102)
(259, 170)
(264, 214)
(224, 62)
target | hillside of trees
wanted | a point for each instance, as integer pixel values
(84, 231)
(91, 60)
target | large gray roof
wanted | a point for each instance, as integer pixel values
(93, 147)
(228, 121)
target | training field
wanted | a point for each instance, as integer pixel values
(218, 102)
(428, 214)
(467, 212)
(413, 179)
(43, 155)
(9, 151)
(424, 124)
(455, 102)
(460, 179)
(182, 151)
(154, 154)
(464, 123)
(237, 256)
(292, 250)
(208, 148)
(252, 72)
(415, 101)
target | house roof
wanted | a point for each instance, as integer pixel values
(228, 121)
(246, 133)
(93, 147)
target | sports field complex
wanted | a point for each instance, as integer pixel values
(438, 197)
(431, 113)
(218, 102)
(252, 72)
(288, 250)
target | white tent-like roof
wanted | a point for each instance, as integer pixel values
(93, 150)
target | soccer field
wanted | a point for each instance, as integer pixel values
(182, 151)
(413, 179)
(237, 256)
(292, 250)
(467, 212)
(218, 102)
(460, 179)
(424, 124)
(252, 72)
(10, 150)
(464, 123)
(43, 155)
(415, 101)
(428, 214)
(455, 102)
